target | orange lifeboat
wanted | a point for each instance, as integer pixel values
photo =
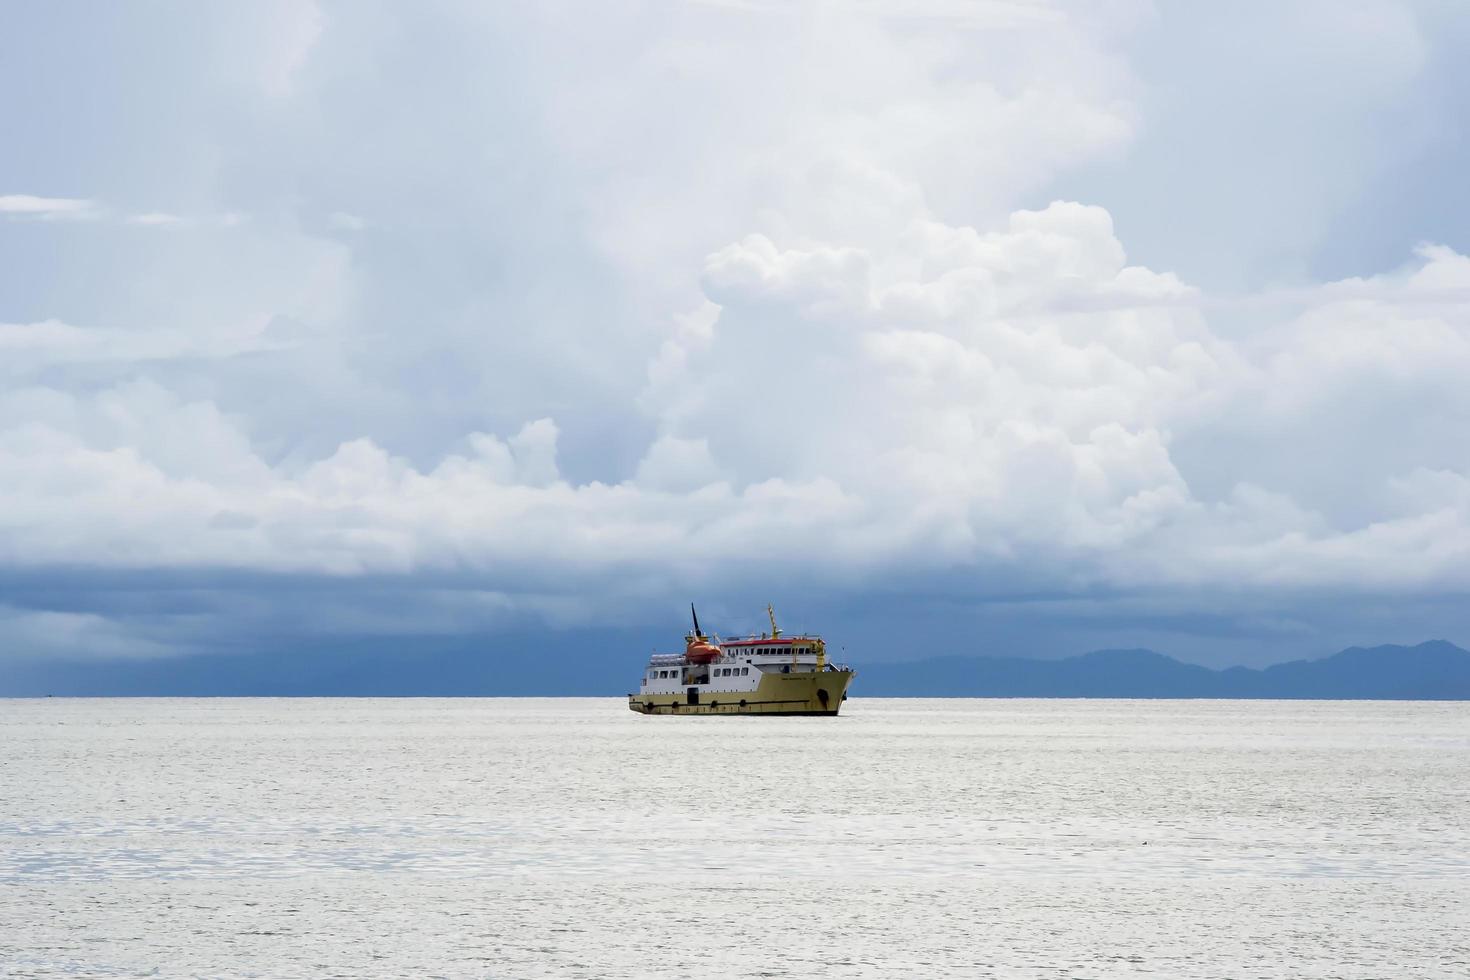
(697, 647)
(698, 650)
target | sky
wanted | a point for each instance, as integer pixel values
(997, 327)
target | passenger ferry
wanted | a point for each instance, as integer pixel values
(770, 674)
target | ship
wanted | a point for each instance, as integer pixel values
(770, 674)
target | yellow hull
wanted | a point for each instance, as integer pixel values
(803, 693)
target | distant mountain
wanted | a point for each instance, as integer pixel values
(1433, 671)
(602, 663)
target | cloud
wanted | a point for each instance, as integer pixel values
(570, 314)
(31, 206)
(155, 218)
(45, 634)
(967, 412)
(31, 349)
(677, 465)
(85, 209)
(346, 222)
(296, 28)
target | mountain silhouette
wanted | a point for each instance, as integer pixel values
(1433, 671)
(599, 664)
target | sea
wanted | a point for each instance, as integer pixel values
(573, 838)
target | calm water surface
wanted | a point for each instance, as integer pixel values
(572, 838)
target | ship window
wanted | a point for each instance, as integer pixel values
(744, 670)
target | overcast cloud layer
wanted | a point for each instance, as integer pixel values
(372, 319)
